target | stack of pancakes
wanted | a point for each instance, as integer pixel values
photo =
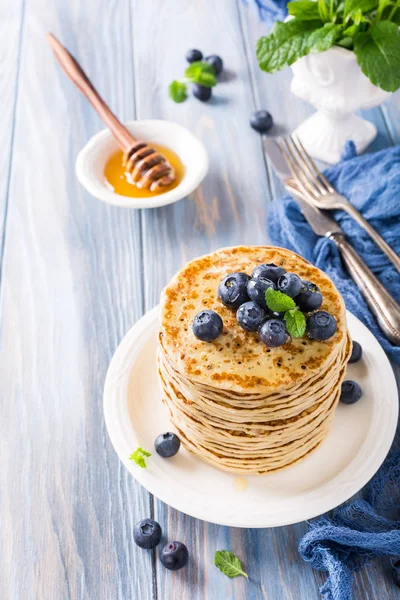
(235, 403)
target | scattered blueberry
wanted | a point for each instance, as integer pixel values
(261, 121)
(256, 289)
(207, 325)
(250, 316)
(273, 333)
(310, 297)
(351, 392)
(395, 571)
(194, 55)
(290, 284)
(268, 271)
(174, 556)
(232, 291)
(147, 534)
(321, 325)
(216, 62)
(201, 92)
(356, 353)
(167, 444)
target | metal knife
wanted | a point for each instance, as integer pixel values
(385, 309)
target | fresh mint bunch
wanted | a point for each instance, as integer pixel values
(197, 72)
(368, 27)
(295, 320)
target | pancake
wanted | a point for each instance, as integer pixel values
(237, 361)
(236, 404)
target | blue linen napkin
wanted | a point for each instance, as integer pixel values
(372, 184)
(370, 527)
(271, 10)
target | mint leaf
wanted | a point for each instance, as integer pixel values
(286, 43)
(351, 31)
(364, 6)
(198, 67)
(323, 10)
(378, 54)
(304, 10)
(138, 457)
(206, 79)
(346, 42)
(202, 73)
(324, 38)
(278, 302)
(295, 323)
(229, 564)
(177, 91)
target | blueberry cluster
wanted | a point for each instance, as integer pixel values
(147, 535)
(201, 92)
(248, 296)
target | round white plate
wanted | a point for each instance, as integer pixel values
(356, 446)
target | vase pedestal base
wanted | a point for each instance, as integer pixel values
(324, 136)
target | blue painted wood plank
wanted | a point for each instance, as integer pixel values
(11, 26)
(72, 281)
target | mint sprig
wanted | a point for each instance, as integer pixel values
(295, 323)
(368, 27)
(294, 319)
(229, 564)
(177, 91)
(197, 72)
(278, 301)
(139, 457)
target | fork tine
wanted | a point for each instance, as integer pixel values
(295, 167)
(310, 173)
(317, 172)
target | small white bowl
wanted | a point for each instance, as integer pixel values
(92, 159)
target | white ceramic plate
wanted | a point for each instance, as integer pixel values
(357, 444)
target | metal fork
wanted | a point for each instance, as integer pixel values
(318, 191)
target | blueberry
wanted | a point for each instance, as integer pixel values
(174, 556)
(310, 297)
(290, 284)
(256, 289)
(194, 55)
(356, 353)
(273, 333)
(207, 325)
(250, 316)
(351, 392)
(268, 271)
(201, 92)
(261, 121)
(167, 444)
(232, 291)
(216, 62)
(321, 325)
(147, 534)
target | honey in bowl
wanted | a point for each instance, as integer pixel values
(120, 181)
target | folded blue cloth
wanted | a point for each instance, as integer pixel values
(370, 527)
(356, 532)
(271, 10)
(372, 184)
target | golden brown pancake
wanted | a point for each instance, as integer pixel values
(235, 403)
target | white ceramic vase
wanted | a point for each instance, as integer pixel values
(334, 83)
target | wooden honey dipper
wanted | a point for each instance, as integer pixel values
(149, 169)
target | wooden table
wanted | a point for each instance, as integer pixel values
(76, 274)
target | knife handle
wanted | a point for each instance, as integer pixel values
(385, 309)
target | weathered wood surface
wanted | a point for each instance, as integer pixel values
(77, 274)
